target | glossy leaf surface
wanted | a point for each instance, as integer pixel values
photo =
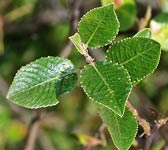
(39, 83)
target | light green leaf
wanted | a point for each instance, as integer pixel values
(107, 84)
(144, 33)
(39, 83)
(159, 28)
(122, 130)
(99, 26)
(76, 40)
(140, 56)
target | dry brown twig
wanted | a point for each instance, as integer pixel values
(144, 21)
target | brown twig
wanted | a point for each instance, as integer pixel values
(158, 124)
(144, 21)
(33, 131)
(97, 134)
(145, 125)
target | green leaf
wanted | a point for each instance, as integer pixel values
(126, 13)
(107, 84)
(39, 83)
(122, 130)
(159, 28)
(140, 56)
(99, 26)
(146, 33)
(76, 40)
(125, 10)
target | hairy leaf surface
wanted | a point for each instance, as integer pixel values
(39, 83)
(107, 84)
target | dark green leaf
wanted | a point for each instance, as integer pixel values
(140, 56)
(107, 84)
(99, 26)
(144, 33)
(39, 83)
(122, 130)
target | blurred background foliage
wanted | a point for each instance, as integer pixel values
(30, 29)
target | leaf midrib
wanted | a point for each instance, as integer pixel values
(55, 78)
(96, 28)
(111, 91)
(117, 124)
(134, 57)
(108, 87)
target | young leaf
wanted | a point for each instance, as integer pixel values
(159, 28)
(99, 26)
(140, 56)
(107, 84)
(39, 83)
(76, 40)
(146, 33)
(122, 130)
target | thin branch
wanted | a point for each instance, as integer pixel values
(2, 48)
(144, 21)
(158, 124)
(33, 131)
(145, 125)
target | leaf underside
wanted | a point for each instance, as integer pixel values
(122, 130)
(39, 83)
(146, 33)
(99, 26)
(107, 84)
(140, 56)
(76, 40)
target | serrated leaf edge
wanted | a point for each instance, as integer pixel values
(134, 83)
(112, 136)
(109, 41)
(36, 107)
(129, 79)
